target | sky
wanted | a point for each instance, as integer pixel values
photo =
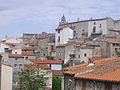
(36, 16)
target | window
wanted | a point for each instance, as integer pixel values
(115, 49)
(74, 33)
(94, 29)
(83, 32)
(58, 30)
(50, 65)
(94, 23)
(20, 64)
(16, 58)
(43, 54)
(26, 58)
(52, 47)
(85, 54)
(78, 56)
(15, 65)
(59, 39)
(15, 52)
(100, 26)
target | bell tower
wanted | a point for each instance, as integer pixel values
(63, 20)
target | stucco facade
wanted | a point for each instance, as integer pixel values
(6, 77)
(62, 36)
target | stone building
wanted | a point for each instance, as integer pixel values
(109, 48)
(90, 28)
(102, 74)
(45, 46)
(77, 52)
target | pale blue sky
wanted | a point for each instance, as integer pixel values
(36, 16)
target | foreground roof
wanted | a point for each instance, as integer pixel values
(107, 69)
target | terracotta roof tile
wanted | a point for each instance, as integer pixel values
(33, 66)
(28, 48)
(46, 61)
(28, 53)
(46, 36)
(113, 42)
(30, 42)
(96, 58)
(107, 69)
(16, 55)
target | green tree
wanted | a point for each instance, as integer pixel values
(56, 82)
(31, 79)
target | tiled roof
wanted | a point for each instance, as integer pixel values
(71, 67)
(57, 73)
(30, 42)
(71, 43)
(95, 45)
(16, 55)
(28, 48)
(77, 43)
(46, 36)
(28, 53)
(96, 58)
(107, 69)
(12, 44)
(33, 66)
(45, 61)
(112, 42)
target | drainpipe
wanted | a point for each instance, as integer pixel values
(0, 69)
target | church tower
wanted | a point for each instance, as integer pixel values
(63, 20)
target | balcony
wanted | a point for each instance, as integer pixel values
(96, 33)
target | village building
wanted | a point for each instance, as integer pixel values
(77, 52)
(53, 64)
(88, 28)
(45, 46)
(6, 75)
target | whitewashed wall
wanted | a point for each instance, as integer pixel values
(56, 67)
(3, 46)
(19, 51)
(6, 78)
(64, 34)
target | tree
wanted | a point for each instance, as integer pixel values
(31, 79)
(56, 83)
